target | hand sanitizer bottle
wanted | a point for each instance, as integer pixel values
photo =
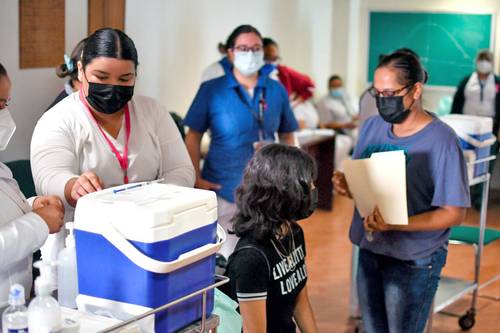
(15, 317)
(67, 277)
(44, 313)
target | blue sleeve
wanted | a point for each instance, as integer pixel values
(288, 123)
(197, 116)
(451, 182)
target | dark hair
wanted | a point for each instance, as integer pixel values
(408, 67)
(332, 78)
(62, 70)
(242, 29)
(3, 71)
(110, 43)
(408, 51)
(276, 189)
(266, 41)
(485, 55)
(221, 48)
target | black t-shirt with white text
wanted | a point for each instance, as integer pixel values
(258, 272)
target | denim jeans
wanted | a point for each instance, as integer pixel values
(395, 296)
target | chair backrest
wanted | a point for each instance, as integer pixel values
(21, 170)
(179, 122)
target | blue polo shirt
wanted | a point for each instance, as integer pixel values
(225, 108)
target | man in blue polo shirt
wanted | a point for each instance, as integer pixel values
(241, 109)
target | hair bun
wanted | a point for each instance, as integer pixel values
(426, 76)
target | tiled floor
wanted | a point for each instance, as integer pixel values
(329, 255)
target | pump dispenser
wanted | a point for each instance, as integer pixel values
(67, 277)
(44, 313)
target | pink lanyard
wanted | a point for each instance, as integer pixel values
(122, 159)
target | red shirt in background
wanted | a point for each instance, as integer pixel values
(296, 82)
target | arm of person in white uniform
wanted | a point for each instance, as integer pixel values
(53, 157)
(21, 237)
(24, 235)
(177, 167)
(54, 163)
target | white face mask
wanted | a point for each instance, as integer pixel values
(7, 128)
(484, 66)
(248, 63)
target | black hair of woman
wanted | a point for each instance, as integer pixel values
(408, 67)
(276, 189)
(242, 29)
(109, 43)
(266, 41)
(69, 67)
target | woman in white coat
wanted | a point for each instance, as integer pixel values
(104, 135)
(24, 224)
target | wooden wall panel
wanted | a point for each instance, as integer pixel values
(41, 33)
(106, 14)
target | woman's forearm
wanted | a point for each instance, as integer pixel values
(193, 145)
(303, 313)
(439, 219)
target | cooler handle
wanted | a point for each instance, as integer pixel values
(477, 143)
(156, 266)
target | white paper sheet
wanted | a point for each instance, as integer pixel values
(379, 181)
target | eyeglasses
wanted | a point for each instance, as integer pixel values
(4, 103)
(386, 93)
(244, 48)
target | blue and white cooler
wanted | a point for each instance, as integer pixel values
(140, 246)
(476, 138)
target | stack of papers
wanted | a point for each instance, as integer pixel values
(379, 181)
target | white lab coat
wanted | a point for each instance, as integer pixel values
(67, 142)
(21, 233)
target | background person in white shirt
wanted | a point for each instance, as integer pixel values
(103, 135)
(24, 224)
(479, 94)
(336, 111)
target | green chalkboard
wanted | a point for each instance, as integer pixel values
(447, 43)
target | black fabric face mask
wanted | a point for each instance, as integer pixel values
(391, 109)
(108, 98)
(312, 206)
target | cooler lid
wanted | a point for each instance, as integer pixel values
(468, 124)
(139, 207)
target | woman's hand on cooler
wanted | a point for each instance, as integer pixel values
(340, 184)
(375, 222)
(86, 183)
(206, 185)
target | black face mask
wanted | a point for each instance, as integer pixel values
(312, 206)
(391, 109)
(108, 98)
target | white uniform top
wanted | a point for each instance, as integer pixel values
(306, 112)
(67, 142)
(339, 110)
(476, 106)
(21, 233)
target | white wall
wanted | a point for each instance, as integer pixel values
(32, 89)
(176, 40)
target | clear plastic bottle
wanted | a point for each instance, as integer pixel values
(67, 277)
(44, 313)
(15, 317)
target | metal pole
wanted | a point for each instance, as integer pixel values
(482, 227)
(204, 312)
